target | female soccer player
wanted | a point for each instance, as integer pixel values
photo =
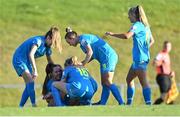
(53, 73)
(142, 40)
(97, 48)
(75, 82)
(24, 60)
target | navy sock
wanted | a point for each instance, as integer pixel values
(116, 93)
(24, 97)
(31, 92)
(104, 95)
(130, 94)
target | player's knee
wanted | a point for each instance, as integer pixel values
(107, 83)
(145, 84)
(128, 81)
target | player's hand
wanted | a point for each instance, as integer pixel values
(34, 75)
(109, 33)
(172, 74)
(80, 63)
(47, 96)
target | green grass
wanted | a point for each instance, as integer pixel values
(11, 97)
(95, 111)
(21, 19)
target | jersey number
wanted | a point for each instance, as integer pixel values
(83, 72)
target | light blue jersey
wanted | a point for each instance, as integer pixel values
(21, 61)
(141, 40)
(78, 82)
(102, 51)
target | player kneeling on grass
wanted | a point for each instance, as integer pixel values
(53, 73)
(76, 82)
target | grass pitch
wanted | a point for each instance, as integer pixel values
(142, 110)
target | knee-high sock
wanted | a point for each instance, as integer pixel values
(24, 97)
(116, 93)
(147, 95)
(56, 96)
(31, 92)
(130, 94)
(104, 95)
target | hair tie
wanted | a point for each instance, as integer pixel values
(68, 29)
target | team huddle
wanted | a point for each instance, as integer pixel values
(73, 84)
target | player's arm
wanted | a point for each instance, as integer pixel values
(49, 59)
(89, 54)
(91, 59)
(48, 95)
(63, 80)
(158, 61)
(121, 36)
(32, 60)
(151, 41)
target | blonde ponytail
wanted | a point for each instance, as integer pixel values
(54, 34)
(139, 13)
(142, 16)
(75, 60)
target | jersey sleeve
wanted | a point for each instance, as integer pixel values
(84, 43)
(134, 28)
(48, 52)
(85, 40)
(37, 41)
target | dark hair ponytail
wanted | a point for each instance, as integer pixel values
(48, 70)
(70, 33)
(137, 13)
